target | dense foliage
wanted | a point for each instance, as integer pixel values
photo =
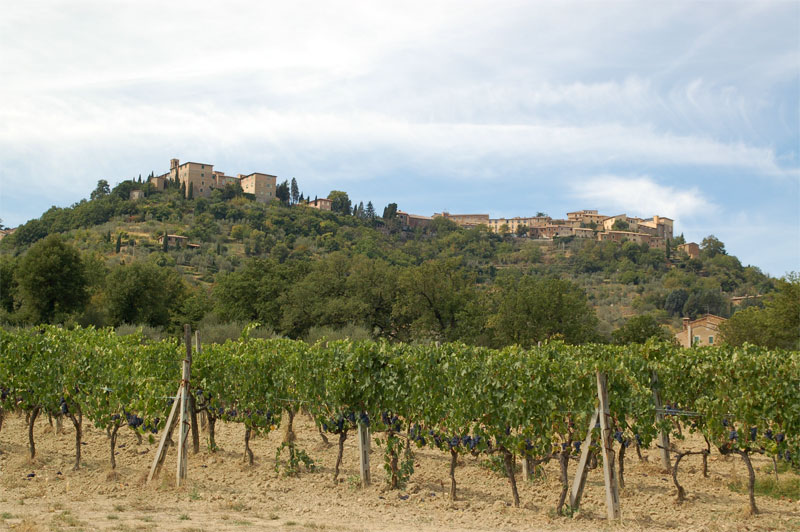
(296, 269)
(533, 403)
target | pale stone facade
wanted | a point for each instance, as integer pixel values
(700, 332)
(201, 178)
(323, 204)
(412, 221)
(691, 249)
(262, 186)
(465, 220)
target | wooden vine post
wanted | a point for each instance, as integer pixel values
(183, 427)
(602, 415)
(580, 475)
(363, 453)
(606, 441)
(663, 437)
(181, 402)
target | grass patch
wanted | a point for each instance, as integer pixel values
(6, 515)
(242, 523)
(783, 467)
(67, 519)
(788, 486)
(194, 495)
(290, 523)
(119, 508)
(112, 517)
(183, 517)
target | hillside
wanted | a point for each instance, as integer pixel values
(300, 272)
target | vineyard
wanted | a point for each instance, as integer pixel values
(508, 406)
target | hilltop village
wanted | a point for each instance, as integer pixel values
(199, 179)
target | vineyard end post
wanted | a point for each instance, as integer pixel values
(363, 453)
(663, 437)
(183, 431)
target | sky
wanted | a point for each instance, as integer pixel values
(689, 110)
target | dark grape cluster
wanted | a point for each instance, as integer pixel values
(415, 434)
(63, 407)
(391, 421)
(133, 420)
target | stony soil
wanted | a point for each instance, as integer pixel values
(223, 493)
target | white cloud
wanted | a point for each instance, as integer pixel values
(643, 197)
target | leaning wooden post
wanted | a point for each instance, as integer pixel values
(583, 465)
(609, 473)
(193, 406)
(363, 453)
(663, 437)
(183, 426)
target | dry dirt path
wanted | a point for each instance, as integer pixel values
(225, 494)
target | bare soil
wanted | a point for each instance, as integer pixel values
(224, 493)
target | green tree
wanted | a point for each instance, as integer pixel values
(390, 211)
(283, 193)
(530, 310)
(190, 193)
(638, 329)
(620, 225)
(707, 301)
(143, 293)
(711, 246)
(295, 191)
(101, 190)
(439, 300)
(118, 245)
(52, 281)
(8, 285)
(370, 211)
(777, 325)
(675, 301)
(340, 202)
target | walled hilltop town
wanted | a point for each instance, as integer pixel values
(199, 179)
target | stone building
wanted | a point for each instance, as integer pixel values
(700, 332)
(465, 220)
(201, 178)
(691, 249)
(262, 186)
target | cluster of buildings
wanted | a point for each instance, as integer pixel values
(588, 224)
(199, 179)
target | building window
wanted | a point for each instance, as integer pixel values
(710, 340)
(696, 340)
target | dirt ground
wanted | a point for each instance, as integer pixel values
(223, 493)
